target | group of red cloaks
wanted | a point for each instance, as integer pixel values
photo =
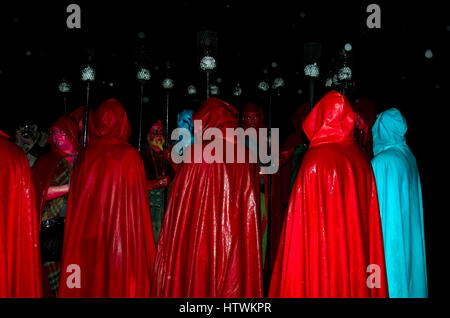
(210, 241)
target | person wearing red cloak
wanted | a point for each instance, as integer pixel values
(210, 242)
(253, 117)
(290, 158)
(108, 248)
(332, 242)
(157, 174)
(78, 116)
(51, 175)
(20, 260)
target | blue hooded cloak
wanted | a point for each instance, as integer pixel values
(400, 201)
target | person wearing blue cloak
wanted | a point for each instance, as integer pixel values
(400, 200)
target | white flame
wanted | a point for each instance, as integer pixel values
(167, 83)
(208, 63)
(191, 90)
(277, 83)
(263, 86)
(143, 74)
(237, 90)
(64, 87)
(312, 70)
(345, 73)
(214, 89)
(88, 74)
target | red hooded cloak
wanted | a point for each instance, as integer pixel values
(20, 260)
(108, 230)
(210, 243)
(332, 230)
(46, 165)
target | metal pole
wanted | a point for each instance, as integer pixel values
(140, 118)
(207, 84)
(269, 186)
(311, 92)
(65, 105)
(167, 118)
(86, 116)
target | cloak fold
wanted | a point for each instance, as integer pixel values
(332, 229)
(400, 199)
(108, 229)
(210, 242)
(20, 260)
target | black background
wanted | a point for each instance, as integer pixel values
(389, 64)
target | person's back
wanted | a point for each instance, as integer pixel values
(108, 224)
(400, 200)
(20, 270)
(332, 232)
(210, 241)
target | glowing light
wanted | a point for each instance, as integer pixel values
(263, 86)
(145, 99)
(141, 35)
(300, 91)
(219, 80)
(335, 79)
(428, 54)
(208, 63)
(64, 87)
(277, 83)
(265, 71)
(191, 90)
(111, 84)
(143, 74)
(274, 64)
(88, 74)
(214, 90)
(167, 83)
(328, 82)
(28, 53)
(345, 73)
(237, 90)
(348, 47)
(312, 70)
(302, 15)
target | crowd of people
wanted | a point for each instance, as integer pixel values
(342, 216)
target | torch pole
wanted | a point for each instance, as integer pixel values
(86, 116)
(269, 187)
(207, 84)
(65, 105)
(311, 92)
(140, 118)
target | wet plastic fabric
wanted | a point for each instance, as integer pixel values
(20, 260)
(400, 200)
(108, 231)
(46, 165)
(210, 243)
(332, 230)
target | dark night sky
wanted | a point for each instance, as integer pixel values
(389, 64)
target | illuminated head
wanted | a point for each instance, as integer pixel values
(155, 136)
(252, 116)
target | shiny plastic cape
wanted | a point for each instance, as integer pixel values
(108, 230)
(20, 259)
(45, 166)
(332, 230)
(400, 200)
(210, 241)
